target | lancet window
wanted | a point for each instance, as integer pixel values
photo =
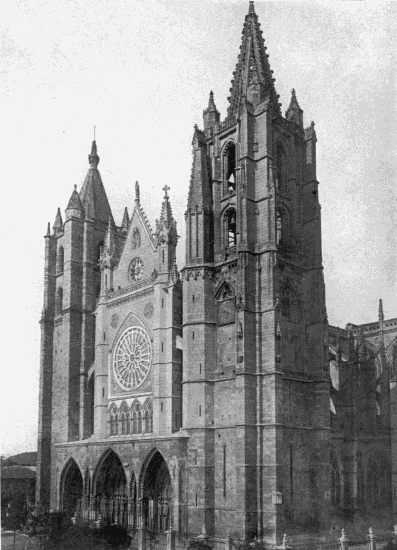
(281, 168)
(124, 419)
(336, 480)
(59, 301)
(136, 418)
(148, 416)
(113, 421)
(60, 259)
(230, 228)
(230, 167)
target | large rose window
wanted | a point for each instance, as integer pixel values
(132, 358)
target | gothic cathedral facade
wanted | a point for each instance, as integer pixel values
(200, 397)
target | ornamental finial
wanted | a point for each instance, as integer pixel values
(166, 189)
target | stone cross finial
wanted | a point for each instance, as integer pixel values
(165, 189)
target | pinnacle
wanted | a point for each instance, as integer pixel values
(93, 158)
(294, 112)
(126, 220)
(58, 224)
(381, 315)
(74, 201)
(253, 80)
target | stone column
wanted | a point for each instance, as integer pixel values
(170, 538)
(142, 537)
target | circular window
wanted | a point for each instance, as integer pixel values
(135, 270)
(132, 358)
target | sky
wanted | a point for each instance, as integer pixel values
(141, 71)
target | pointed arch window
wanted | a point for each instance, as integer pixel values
(336, 480)
(60, 259)
(136, 418)
(59, 301)
(124, 420)
(281, 168)
(230, 167)
(230, 228)
(148, 416)
(113, 421)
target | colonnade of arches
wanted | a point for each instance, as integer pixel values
(107, 494)
(372, 481)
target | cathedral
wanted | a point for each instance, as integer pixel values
(215, 395)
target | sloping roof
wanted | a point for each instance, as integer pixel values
(23, 459)
(93, 195)
(17, 472)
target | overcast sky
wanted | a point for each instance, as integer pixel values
(141, 71)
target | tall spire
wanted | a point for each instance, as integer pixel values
(253, 80)
(93, 194)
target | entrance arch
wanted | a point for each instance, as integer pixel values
(110, 490)
(156, 494)
(71, 488)
(110, 478)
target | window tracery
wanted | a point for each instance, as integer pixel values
(148, 416)
(132, 358)
(136, 418)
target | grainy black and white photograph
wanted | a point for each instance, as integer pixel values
(200, 222)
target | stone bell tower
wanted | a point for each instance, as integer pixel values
(255, 376)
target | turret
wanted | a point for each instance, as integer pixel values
(211, 114)
(199, 223)
(166, 235)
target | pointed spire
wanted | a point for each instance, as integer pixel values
(126, 220)
(93, 194)
(137, 194)
(93, 158)
(211, 114)
(253, 79)
(381, 315)
(166, 223)
(74, 201)
(48, 229)
(294, 112)
(58, 224)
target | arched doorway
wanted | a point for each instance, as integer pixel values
(71, 488)
(110, 486)
(156, 495)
